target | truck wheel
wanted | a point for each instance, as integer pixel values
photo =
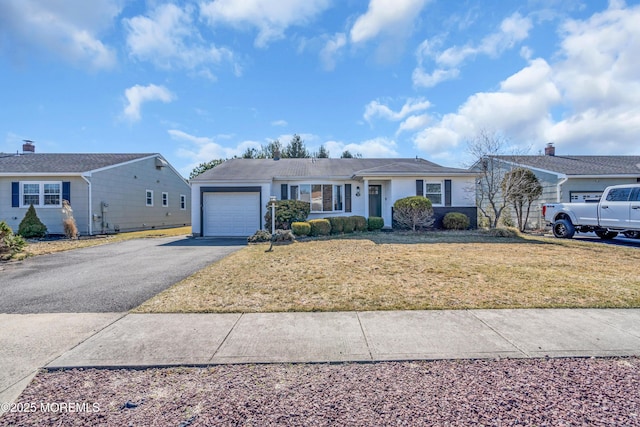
(606, 235)
(563, 229)
(632, 234)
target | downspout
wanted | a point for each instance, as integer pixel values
(559, 195)
(90, 204)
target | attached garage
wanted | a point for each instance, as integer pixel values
(231, 213)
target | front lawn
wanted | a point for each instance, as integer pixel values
(399, 271)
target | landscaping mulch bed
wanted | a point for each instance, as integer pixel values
(541, 392)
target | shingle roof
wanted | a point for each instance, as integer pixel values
(61, 163)
(581, 165)
(268, 169)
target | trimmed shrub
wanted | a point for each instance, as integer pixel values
(301, 228)
(287, 212)
(413, 212)
(31, 226)
(320, 227)
(349, 224)
(337, 224)
(375, 223)
(259, 237)
(359, 223)
(10, 244)
(455, 221)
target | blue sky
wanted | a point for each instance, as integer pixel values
(198, 80)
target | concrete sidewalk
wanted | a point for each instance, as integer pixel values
(141, 340)
(201, 339)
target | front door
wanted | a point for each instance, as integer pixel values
(375, 200)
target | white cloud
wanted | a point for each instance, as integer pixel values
(271, 18)
(279, 123)
(513, 30)
(594, 94)
(377, 109)
(331, 50)
(169, 38)
(200, 149)
(372, 148)
(386, 16)
(68, 29)
(413, 123)
(137, 95)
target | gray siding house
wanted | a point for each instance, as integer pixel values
(577, 179)
(230, 199)
(108, 192)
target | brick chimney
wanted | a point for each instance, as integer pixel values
(28, 147)
(550, 150)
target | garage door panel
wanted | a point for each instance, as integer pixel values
(231, 214)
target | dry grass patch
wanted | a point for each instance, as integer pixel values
(360, 274)
(50, 246)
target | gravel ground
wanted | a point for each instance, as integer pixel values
(541, 392)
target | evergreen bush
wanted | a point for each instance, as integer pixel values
(31, 226)
(10, 244)
(359, 223)
(413, 212)
(375, 223)
(287, 212)
(349, 224)
(337, 224)
(455, 221)
(320, 227)
(301, 228)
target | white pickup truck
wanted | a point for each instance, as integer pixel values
(618, 211)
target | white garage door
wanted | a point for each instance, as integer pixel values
(231, 214)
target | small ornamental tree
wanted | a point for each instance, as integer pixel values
(287, 211)
(31, 226)
(521, 188)
(413, 212)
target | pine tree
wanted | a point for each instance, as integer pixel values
(31, 226)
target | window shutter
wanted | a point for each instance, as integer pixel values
(66, 191)
(419, 187)
(284, 191)
(447, 192)
(347, 197)
(15, 194)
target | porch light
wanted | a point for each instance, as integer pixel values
(358, 191)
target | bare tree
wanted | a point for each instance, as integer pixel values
(486, 150)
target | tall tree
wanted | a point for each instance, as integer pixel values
(485, 149)
(521, 188)
(251, 153)
(271, 150)
(346, 154)
(202, 167)
(322, 153)
(296, 149)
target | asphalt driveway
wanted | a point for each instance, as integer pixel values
(108, 278)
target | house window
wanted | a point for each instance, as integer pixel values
(165, 199)
(433, 191)
(41, 194)
(149, 197)
(183, 202)
(321, 197)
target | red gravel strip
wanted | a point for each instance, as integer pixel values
(541, 392)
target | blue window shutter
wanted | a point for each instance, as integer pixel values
(419, 187)
(15, 194)
(284, 190)
(66, 191)
(447, 192)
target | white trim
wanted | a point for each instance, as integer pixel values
(146, 198)
(165, 200)
(41, 194)
(90, 217)
(183, 202)
(424, 189)
(311, 184)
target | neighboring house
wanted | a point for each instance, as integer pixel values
(231, 199)
(108, 192)
(570, 178)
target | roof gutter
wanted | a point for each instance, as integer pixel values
(563, 179)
